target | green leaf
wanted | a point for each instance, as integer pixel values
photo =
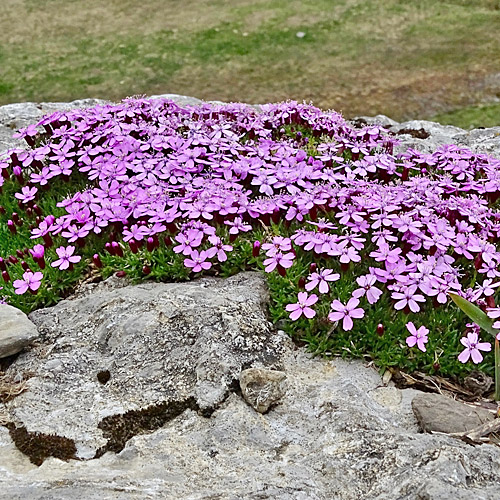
(475, 314)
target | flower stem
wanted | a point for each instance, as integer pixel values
(497, 370)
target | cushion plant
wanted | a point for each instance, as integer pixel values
(361, 246)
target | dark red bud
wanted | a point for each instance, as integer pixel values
(146, 269)
(490, 301)
(97, 261)
(3, 266)
(232, 237)
(302, 282)
(25, 266)
(13, 260)
(256, 248)
(281, 270)
(2, 210)
(276, 216)
(117, 249)
(121, 274)
(37, 209)
(12, 227)
(380, 329)
(133, 245)
(167, 240)
(312, 267)
(19, 253)
(478, 262)
(5, 276)
(47, 240)
(150, 244)
(436, 366)
(109, 248)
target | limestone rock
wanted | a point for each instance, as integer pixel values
(262, 388)
(327, 439)
(438, 413)
(19, 115)
(165, 347)
(16, 331)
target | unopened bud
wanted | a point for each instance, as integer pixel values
(256, 248)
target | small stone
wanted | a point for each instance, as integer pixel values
(437, 413)
(262, 388)
(478, 383)
(300, 34)
(16, 331)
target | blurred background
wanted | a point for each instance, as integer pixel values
(433, 59)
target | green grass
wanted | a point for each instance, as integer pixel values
(483, 115)
(403, 59)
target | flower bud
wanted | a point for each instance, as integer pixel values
(256, 248)
(302, 282)
(24, 265)
(121, 274)
(167, 240)
(281, 270)
(47, 240)
(37, 209)
(13, 259)
(133, 245)
(12, 227)
(276, 215)
(150, 244)
(19, 253)
(117, 249)
(312, 267)
(97, 261)
(3, 266)
(5, 276)
(380, 329)
(146, 269)
(109, 248)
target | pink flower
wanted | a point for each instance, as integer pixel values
(408, 297)
(472, 348)
(27, 194)
(367, 283)
(321, 278)
(302, 306)
(346, 312)
(66, 257)
(30, 281)
(198, 261)
(418, 337)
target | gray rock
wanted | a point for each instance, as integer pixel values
(438, 413)
(119, 357)
(262, 388)
(327, 439)
(16, 331)
(19, 115)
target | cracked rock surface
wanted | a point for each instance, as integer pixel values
(169, 421)
(166, 347)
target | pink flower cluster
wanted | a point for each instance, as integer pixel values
(206, 175)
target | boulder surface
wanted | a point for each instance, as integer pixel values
(140, 392)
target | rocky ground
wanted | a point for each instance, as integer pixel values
(185, 391)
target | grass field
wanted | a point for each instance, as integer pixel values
(404, 59)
